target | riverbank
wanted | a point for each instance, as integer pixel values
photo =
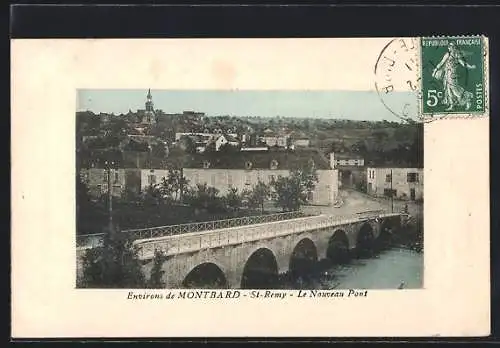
(411, 236)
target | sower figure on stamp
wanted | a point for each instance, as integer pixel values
(447, 71)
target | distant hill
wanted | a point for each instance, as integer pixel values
(379, 142)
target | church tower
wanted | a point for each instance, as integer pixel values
(150, 112)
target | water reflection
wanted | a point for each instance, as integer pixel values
(390, 269)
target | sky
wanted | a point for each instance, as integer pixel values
(353, 105)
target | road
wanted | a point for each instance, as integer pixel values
(356, 202)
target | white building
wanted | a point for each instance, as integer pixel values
(204, 136)
(255, 149)
(225, 139)
(244, 170)
(325, 192)
(403, 183)
(275, 140)
(346, 160)
(301, 142)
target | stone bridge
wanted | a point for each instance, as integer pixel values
(248, 256)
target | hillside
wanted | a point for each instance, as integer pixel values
(379, 142)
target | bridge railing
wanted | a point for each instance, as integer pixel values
(92, 240)
(225, 237)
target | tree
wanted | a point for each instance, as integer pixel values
(338, 146)
(87, 122)
(152, 195)
(305, 124)
(118, 126)
(157, 272)
(83, 200)
(359, 147)
(187, 144)
(113, 265)
(233, 200)
(259, 195)
(210, 148)
(381, 137)
(204, 197)
(172, 185)
(158, 150)
(88, 213)
(292, 191)
(417, 147)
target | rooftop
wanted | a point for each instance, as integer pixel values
(393, 166)
(343, 155)
(259, 160)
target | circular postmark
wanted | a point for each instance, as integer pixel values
(397, 78)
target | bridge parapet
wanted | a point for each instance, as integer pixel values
(93, 240)
(218, 238)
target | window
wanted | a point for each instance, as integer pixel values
(116, 176)
(151, 179)
(248, 180)
(412, 177)
(274, 164)
(310, 196)
(271, 178)
(230, 180)
(388, 178)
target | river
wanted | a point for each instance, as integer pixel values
(387, 270)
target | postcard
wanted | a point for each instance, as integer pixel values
(250, 187)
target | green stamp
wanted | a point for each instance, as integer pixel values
(452, 80)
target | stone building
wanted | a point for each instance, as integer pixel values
(346, 160)
(401, 183)
(244, 170)
(96, 180)
(237, 170)
(350, 168)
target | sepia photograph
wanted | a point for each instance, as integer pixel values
(247, 189)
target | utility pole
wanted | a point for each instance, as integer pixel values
(110, 196)
(392, 196)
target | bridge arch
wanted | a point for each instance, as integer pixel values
(206, 275)
(338, 247)
(260, 270)
(365, 240)
(388, 228)
(303, 258)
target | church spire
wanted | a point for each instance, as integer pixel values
(149, 116)
(149, 102)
